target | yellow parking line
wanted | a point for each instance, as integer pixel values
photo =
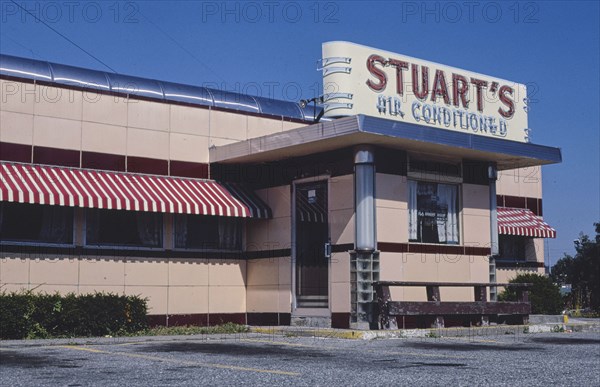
(182, 362)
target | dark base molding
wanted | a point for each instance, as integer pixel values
(210, 319)
(518, 264)
(200, 319)
(421, 248)
(268, 319)
(340, 320)
(102, 161)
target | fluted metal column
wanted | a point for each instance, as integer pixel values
(365, 258)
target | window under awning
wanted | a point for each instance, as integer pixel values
(86, 188)
(523, 222)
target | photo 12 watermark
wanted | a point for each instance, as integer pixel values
(327, 12)
(52, 12)
(470, 12)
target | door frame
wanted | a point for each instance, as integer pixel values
(295, 309)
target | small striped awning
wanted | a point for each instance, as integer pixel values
(86, 188)
(258, 208)
(523, 222)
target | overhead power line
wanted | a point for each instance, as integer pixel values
(64, 37)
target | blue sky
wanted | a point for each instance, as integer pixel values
(270, 48)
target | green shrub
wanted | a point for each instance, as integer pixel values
(544, 295)
(37, 315)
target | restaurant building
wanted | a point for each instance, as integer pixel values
(219, 206)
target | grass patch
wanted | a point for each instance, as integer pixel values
(192, 330)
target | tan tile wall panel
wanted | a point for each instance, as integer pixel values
(392, 268)
(476, 199)
(391, 191)
(285, 298)
(287, 125)
(263, 298)
(147, 143)
(536, 250)
(98, 272)
(341, 223)
(188, 299)
(258, 126)
(341, 193)
(52, 289)
(520, 182)
(480, 269)
(228, 125)
(146, 272)
(14, 271)
(340, 267)
(227, 299)
(280, 233)
(54, 272)
(432, 268)
(505, 275)
(187, 147)
(285, 271)
(340, 283)
(340, 297)
(157, 297)
(392, 224)
(59, 103)
(190, 120)
(105, 109)
(148, 115)
(188, 272)
(263, 272)
(56, 132)
(226, 273)
(278, 199)
(17, 96)
(16, 127)
(9, 288)
(216, 141)
(476, 230)
(91, 289)
(103, 138)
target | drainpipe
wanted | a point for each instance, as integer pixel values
(364, 258)
(493, 176)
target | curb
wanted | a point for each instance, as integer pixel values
(351, 334)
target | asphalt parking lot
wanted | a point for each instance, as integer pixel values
(262, 359)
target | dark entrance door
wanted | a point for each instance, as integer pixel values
(312, 245)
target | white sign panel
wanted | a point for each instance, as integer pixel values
(364, 80)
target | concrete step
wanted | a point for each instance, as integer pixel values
(311, 321)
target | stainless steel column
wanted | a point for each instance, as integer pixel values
(493, 176)
(365, 258)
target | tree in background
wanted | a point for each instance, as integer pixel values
(582, 272)
(544, 295)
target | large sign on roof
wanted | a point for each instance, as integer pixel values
(364, 80)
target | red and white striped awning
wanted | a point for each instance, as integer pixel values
(75, 187)
(523, 222)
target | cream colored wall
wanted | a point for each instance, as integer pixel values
(475, 221)
(505, 275)
(525, 182)
(392, 226)
(173, 286)
(341, 223)
(83, 120)
(391, 193)
(433, 268)
(269, 280)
